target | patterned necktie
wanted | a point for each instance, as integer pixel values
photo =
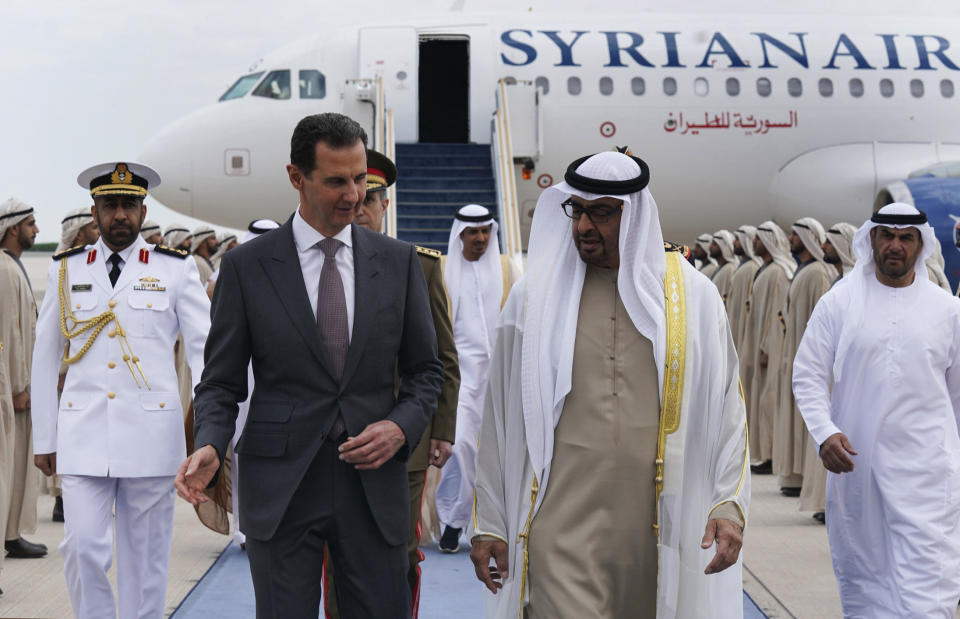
(332, 309)
(115, 271)
(332, 320)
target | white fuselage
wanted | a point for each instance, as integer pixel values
(711, 103)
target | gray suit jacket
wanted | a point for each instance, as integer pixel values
(261, 311)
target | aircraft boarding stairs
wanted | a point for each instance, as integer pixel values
(435, 180)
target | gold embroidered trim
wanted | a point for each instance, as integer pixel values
(525, 536)
(676, 317)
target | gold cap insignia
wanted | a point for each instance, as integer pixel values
(121, 175)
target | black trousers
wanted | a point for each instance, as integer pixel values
(329, 506)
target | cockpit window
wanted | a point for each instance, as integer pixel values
(242, 86)
(275, 86)
(313, 85)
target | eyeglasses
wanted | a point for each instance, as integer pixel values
(597, 215)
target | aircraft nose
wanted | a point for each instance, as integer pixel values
(169, 153)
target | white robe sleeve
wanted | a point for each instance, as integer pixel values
(812, 369)
(953, 374)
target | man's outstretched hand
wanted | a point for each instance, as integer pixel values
(834, 452)
(481, 554)
(729, 539)
(195, 474)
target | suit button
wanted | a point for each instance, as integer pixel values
(112, 304)
(112, 334)
(111, 395)
(111, 365)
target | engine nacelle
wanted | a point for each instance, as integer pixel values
(939, 198)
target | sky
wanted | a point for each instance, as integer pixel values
(88, 82)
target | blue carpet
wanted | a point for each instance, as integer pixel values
(449, 589)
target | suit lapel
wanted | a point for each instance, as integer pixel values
(365, 271)
(283, 271)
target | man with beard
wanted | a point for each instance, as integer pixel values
(151, 232)
(203, 245)
(721, 250)
(178, 237)
(813, 278)
(701, 253)
(112, 312)
(877, 379)
(763, 339)
(19, 485)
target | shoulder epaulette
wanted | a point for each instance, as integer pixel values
(170, 251)
(682, 249)
(426, 251)
(68, 252)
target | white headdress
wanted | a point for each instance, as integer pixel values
(223, 242)
(703, 241)
(896, 215)
(746, 234)
(199, 236)
(149, 228)
(555, 275)
(70, 225)
(258, 227)
(175, 235)
(841, 237)
(12, 212)
(775, 240)
(936, 267)
(491, 273)
(724, 240)
(812, 235)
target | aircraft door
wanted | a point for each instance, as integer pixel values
(444, 89)
(392, 52)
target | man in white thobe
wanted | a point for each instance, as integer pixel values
(477, 278)
(701, 252)
(890, 341)
(613, 450)
(812, 279)
(763, 339)
(18, 316)
(177, 236)
(837, 251)
(151, 232)
(721, 250)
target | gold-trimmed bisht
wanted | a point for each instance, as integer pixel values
(96, 325)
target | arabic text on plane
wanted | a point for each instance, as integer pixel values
(750, 124)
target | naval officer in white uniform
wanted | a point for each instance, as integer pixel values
(112, 312)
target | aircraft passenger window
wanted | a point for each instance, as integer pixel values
(763, 87)
(916, 88)
(573, 85)
(606, 86)
(241, 87)
(946, 88)
(886, 87)
(669, 86)
(733, 86)
(794, 86)
(638, 86)
(826, 87)
(313, 84)
(856, 87)
(701, 87)
(275, 86)
(543, 84)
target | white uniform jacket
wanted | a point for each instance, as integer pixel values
(105, 424)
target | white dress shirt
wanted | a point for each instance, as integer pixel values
(311, 257)
(104, 253)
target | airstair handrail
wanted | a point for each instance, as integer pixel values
(504, 172)
(390, 150)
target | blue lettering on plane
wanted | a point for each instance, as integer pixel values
(625, 48)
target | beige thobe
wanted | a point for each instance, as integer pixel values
(723, 279)
(593, 550)
(18, 321)
(809, 283)
(764, 335)
(204, 267)
(708, 269)
(184, 376)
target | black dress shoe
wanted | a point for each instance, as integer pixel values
(22, 549)
(58, 510)
(764, 468)
(450, 540)
(820, 517)
(791, 492)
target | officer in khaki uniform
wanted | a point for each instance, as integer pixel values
(112, 313)
(436, 445)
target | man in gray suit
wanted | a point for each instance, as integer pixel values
(328, 312)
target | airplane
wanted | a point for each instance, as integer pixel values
(741, 118)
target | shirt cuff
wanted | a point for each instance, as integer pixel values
(486, 537)
(728, 510)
